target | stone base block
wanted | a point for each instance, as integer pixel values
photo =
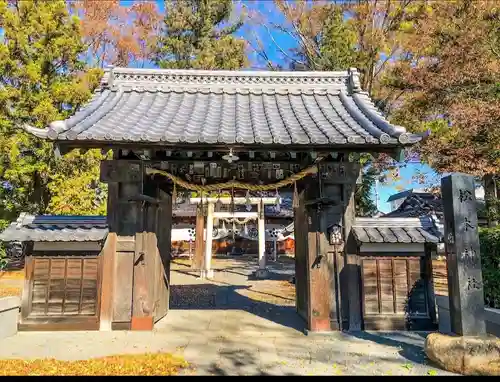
(261, 273)
(464, 355)
(9, 315)
(207, 274)
(142, 323)
(321, 333)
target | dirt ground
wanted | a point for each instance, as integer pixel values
(236, 325)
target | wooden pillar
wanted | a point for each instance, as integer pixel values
(164, 246)
(300, 219)
(139, 214)
(351, 275)
(198, 260)
(322, 277)
(207, 270)
(107, 280)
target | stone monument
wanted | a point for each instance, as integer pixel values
(469, 351)
(465, 282)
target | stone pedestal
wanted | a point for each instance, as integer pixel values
(207, 274)
(468, 355)
(261, 273)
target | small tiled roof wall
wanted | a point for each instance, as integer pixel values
(56, 228)
(396, 230)
(161, 106)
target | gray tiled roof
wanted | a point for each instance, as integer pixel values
(396, 230)
(225, 107)
(56, 228)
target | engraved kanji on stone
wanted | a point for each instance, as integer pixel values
(469, 256)
(472, 283)
(465, 195)
(468, 225)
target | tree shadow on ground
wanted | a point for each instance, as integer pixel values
(241, 362)
(225, 297)
(411, 351)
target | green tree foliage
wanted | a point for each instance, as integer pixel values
(198, 34)
(490, 263)
(42, 80)
(365, 205)
(450, 84)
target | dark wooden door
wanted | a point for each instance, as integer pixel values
(63, 293)
(394, 293)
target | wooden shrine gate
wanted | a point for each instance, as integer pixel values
(324, 198)
(214, 131)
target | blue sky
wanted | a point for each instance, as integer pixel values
(406, 181)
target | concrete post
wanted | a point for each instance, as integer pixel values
(207, 272)
(262, 271)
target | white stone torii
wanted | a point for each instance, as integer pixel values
(208, 272)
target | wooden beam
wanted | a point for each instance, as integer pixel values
(123, 283)
(66, 146)
(107, 282)
(141, 309)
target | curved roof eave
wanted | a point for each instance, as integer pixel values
(229, 107)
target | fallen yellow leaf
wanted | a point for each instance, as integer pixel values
(129, 364)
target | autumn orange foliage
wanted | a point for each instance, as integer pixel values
(117, 34)
(148, 364)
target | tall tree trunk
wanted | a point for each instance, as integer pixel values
(490, 196)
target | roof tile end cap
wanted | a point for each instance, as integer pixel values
(39, 133)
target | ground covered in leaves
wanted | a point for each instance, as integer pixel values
(11, 283)
(130, 364)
